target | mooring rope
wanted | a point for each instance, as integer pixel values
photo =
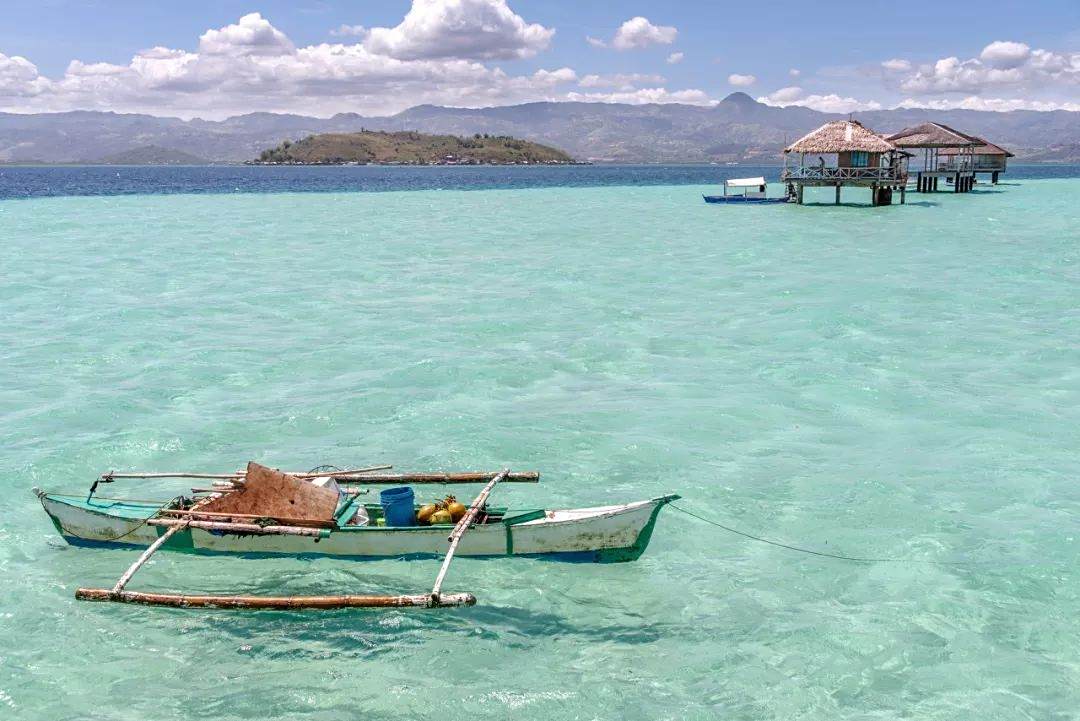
(823, 554)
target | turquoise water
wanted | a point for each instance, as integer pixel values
(895, 382)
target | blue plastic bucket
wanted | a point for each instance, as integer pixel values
(397, 506)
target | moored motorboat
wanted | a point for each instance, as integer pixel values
(753, 190)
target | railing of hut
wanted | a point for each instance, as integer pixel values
(985, 162)
(883, 174)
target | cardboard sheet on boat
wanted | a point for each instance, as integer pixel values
(274, 494)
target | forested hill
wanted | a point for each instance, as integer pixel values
(411, 148)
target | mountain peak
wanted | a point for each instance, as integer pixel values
(740, 99)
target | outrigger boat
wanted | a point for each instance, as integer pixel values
(754, 190)
(266, 512)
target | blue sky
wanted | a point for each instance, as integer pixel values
(380, 56)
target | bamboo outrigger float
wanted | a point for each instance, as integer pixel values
(265, 512)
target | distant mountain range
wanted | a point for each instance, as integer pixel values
(738, 129)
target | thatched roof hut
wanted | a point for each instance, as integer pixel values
(932, 135)
(841, 136)
(985, 148)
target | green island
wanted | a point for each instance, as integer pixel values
(373, 147)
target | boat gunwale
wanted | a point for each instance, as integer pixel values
(608, 511)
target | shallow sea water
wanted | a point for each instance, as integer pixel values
(893, 382)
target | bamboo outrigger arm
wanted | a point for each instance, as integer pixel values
(462, 526)
(118, 594)
(150, 551)
(226, 523)
(177, 600)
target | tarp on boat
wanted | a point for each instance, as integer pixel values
(273, 494)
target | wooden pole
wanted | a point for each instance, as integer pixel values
(241, 528)
(361, 475)
(276, 602)
(212, 515)
(110, 476)
(123, 580)
(445, 478)
(334, 474)
(463, 526)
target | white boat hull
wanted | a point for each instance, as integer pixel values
(603, 534)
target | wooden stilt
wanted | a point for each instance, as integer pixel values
(838, 194)
(463, 526)
(903, 193)
(994, 178)
(150, 551)
(800, 196)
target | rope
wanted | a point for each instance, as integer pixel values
(823, 554)
(136, 527)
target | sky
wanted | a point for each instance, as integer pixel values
(378, 57)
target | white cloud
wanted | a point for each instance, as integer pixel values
(783, 96)
(627, 81)
(251, 66)
(349, 30)
(741, 81)
(831, 103)
(554, 77)
(646, 95)
(1005, 54)
(975, 102)
(897, 65)
(19, 77)
(251, 35)
(595, 42)
(794, 72)
(462, 29)
(1001, 64)
(675, 58)
(638, 32)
